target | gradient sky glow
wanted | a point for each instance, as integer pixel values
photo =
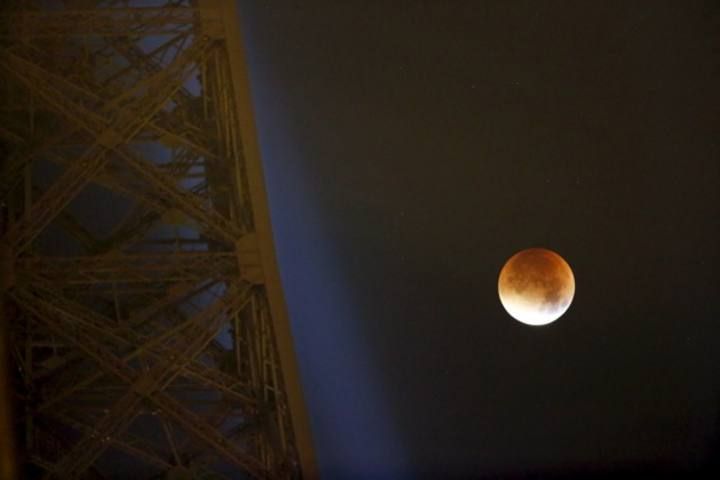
(338, 376)
(411, 147)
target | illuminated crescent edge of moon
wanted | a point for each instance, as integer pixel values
(526, 311)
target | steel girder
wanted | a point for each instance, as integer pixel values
(143, 306)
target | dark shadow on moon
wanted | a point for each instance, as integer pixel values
(552, 287)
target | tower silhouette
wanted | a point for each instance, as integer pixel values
(145, 321)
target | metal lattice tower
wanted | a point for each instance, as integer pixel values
(146, 323)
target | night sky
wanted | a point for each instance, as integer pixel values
(410, 148)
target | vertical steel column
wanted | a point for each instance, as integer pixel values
(263, 228)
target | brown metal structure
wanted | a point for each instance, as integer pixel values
(146, 326)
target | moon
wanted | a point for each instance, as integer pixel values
(536, 286)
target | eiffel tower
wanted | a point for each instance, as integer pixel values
(146, 328)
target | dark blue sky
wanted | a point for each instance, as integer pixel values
(411, 147)
(351, 419)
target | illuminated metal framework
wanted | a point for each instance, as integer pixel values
(135, 248)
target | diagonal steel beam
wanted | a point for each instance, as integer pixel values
(193, 205)
(146, 385)
(125, 338)
(90, 166)
(133, 113)
(174, 295)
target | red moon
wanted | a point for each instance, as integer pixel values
(536, 286)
